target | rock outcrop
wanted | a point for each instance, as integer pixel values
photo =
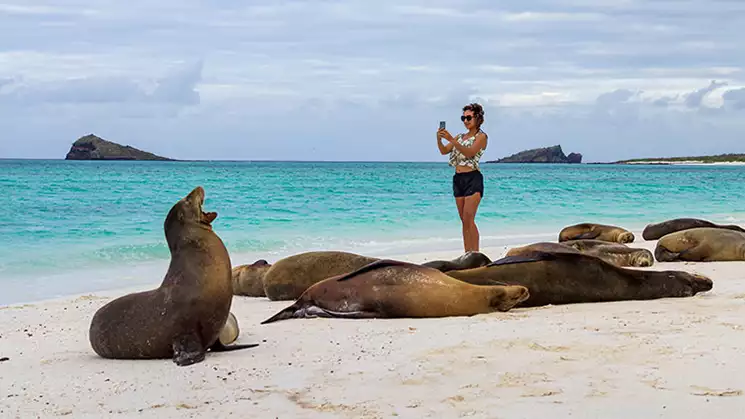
(552, 154)
(91, 147)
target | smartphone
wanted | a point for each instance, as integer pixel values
(442, 124)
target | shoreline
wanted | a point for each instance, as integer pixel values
(664, 358)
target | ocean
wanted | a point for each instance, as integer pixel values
(73, 227)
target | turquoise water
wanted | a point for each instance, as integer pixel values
(74, 227)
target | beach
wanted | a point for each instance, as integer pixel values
(673, 358)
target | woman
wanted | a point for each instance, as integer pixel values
(468, 182)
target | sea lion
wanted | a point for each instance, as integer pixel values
(289, 277)
(704, 244)
(615, 253)
(603, 232)
(566, 278)
(248, 279)
(468, 260)
(184, 316)
(655, 231)
(391, 289)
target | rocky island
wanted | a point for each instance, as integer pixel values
(553, 154)
(91, 147)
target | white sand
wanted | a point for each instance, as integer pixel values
(676, 358)
(690, 163)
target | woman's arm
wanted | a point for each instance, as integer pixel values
(444, 148)
(478, 144)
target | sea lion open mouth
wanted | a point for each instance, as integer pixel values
(208, 217)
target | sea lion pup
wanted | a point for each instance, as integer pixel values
(602, 232)
(468, 260)
(655, 231)
(566, 278)
(289, 277)
(703, 244)
(248, 279)
(394, 289)
(615, 253)
(184, 316)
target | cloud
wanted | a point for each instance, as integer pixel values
(694, 99)
(734, 98)
(357, 80)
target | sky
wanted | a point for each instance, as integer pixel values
(357, 80)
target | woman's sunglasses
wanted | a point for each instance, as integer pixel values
(465, 118)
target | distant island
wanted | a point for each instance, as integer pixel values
(91, 147)
(553, 154)
(719, 158)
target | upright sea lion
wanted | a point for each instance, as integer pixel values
(468, 260)
(596, 231)
(248, 279)
(184, 316)
(566, 278)
(289, 277)
(703, 244)
(655, 231)
(389, 289)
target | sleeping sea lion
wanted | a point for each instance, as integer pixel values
(184, 316)
(704, 244)
(468, 260)
(388, 289)
(289, 277)
(615, 253)
(655, 231)
(248, 279)
(565, 278)
(596, 231)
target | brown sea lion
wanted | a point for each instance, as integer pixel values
(615, 253)
(289, 277)
(566, 278)
(390, 289)
(596, 231)
(703, 244)
(468, 260)
(655, 231)
(184, 316)
(248, 279)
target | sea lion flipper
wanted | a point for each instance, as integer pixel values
(529, 257)
(188, 350)
(219, 347)
(382, 263)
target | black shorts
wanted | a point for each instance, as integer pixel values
(468, 183)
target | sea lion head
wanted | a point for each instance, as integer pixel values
(188, 211)
(695, 283)
(626, 237)
(508, 296)
(642, 258)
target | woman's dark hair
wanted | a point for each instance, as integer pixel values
(477, 110)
